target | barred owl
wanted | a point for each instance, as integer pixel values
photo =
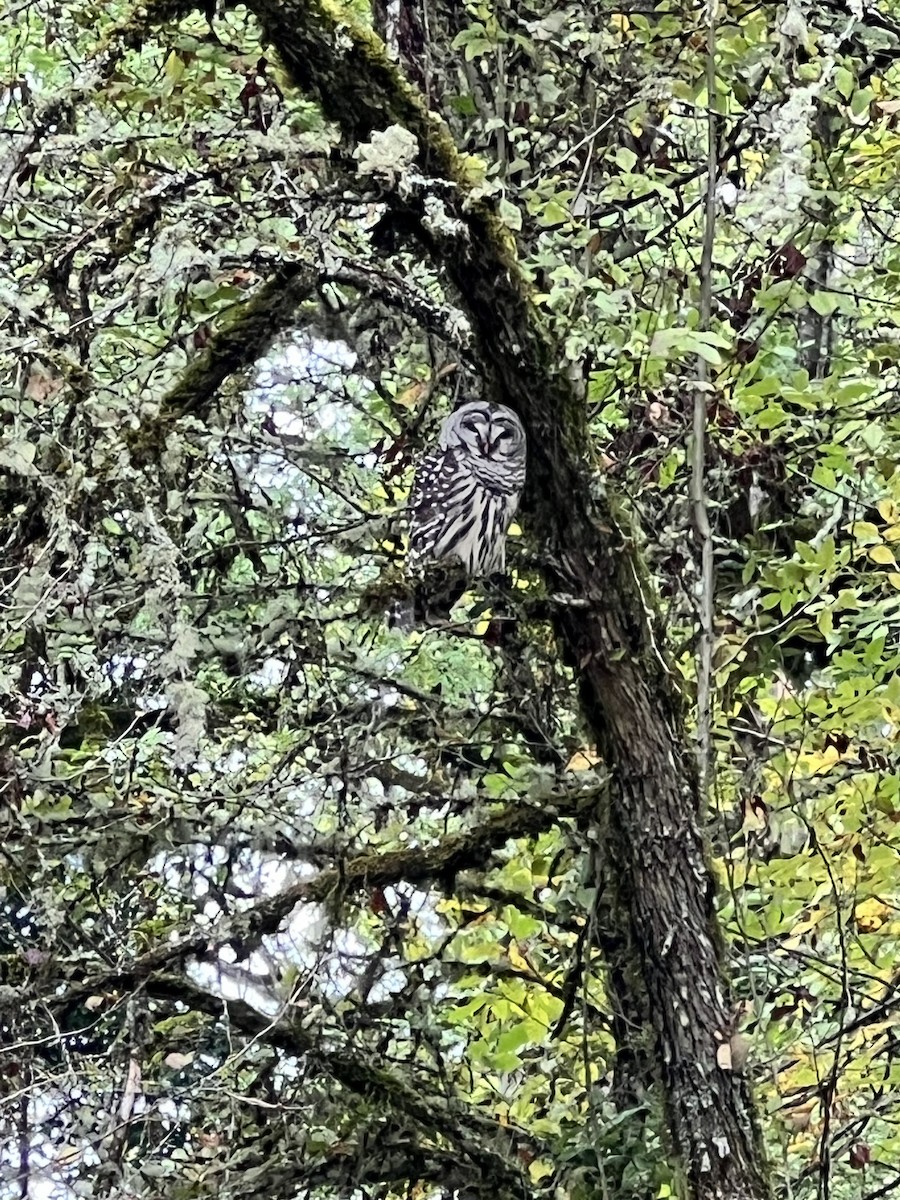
(466, 490)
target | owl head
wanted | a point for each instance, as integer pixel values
(483, 430)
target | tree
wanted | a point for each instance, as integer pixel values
(299, 900)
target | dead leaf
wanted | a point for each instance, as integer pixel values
(41, 385)
(584, 760)
(799, 1118)
(176, 1061)
(860, 1155)
(410, 396)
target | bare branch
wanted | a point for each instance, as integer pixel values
(698, 446)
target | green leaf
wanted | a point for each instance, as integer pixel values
(861, 101)
(464, 1012)
(510, 214)
(495, 785)
(552, 214)
(464, 104)
(625, 158)
(519, 924)
(476, 47)
(824, 303)
(525, 1033)
(681, 343)
(669, 467)
(845, 82)
(771, 417)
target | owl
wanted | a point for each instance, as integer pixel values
(466, 490)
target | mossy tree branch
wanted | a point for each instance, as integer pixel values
(469, 850)
(485, 1146)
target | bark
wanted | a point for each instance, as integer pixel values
(629, 695)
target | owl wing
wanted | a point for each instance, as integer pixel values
(433, 498)
(427, 473)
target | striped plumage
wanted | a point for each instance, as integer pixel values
(466, 490)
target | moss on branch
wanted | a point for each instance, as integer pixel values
(241, 340)
(442, 862)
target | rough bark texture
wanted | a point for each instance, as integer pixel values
(630, 699)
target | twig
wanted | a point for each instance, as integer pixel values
(698, 448)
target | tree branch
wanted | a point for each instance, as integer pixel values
(698, 442)
(489, 1146)
(241, 340)
(463, 851)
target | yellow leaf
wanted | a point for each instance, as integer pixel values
(892, 533)
(539, 1170)
(174, 66)
(883, 555)
(888, 511)
(474, 169)
(821, 761)
(584, 760)
(620, 21)
(865, 533)
(870, 915)
(894, 579)
(410, 396)
(517, 958)
(753, 163)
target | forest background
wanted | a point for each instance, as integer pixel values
(589, 888)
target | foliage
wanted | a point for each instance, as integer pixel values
(228, 773)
